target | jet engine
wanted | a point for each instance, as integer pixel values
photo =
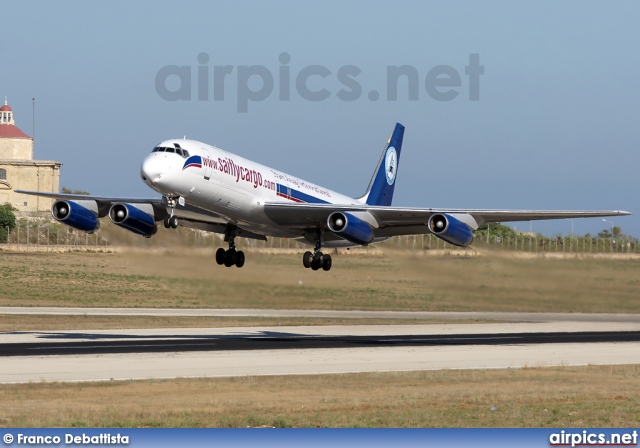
(133, 219)
(450, 229)
(350, 228)
(76, 215)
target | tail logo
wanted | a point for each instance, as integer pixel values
(391, 164)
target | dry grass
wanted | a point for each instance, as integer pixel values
(533, 397)
(394, 281)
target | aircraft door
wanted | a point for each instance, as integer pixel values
(208, 167)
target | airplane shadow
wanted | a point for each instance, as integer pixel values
(114, 336)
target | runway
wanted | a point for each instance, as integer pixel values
(77, 344)
(209, 352)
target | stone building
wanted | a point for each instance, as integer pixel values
(18, 170)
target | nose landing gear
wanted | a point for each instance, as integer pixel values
(170, 222)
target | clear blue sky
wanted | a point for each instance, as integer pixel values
(556, 125)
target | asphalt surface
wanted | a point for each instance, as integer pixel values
(75, 345)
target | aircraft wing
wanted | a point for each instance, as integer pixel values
(104, 203)
(83, 197)
(189, 216)
(404, 220)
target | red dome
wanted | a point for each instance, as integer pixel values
(5, 108)
(11, 131)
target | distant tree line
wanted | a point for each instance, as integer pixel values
(66, 190)
(497, 230)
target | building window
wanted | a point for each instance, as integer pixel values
(25, 204)
(3, 174)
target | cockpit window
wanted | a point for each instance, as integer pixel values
(181, 152)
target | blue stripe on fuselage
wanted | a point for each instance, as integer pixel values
(297, 195)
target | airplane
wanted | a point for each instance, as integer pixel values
(207, 188)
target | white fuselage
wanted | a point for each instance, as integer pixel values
(231, 186)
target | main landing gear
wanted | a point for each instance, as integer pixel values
(231, 256)
(317, 259)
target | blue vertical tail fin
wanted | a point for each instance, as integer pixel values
(380, 191)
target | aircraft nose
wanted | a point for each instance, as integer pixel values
(151, 169)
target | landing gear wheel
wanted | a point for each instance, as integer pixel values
(173, 222)
(220, 256)
(326, 262)
(317, 260)
(230, 258)
(307, 258)
(166, 222)
(239, 259)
